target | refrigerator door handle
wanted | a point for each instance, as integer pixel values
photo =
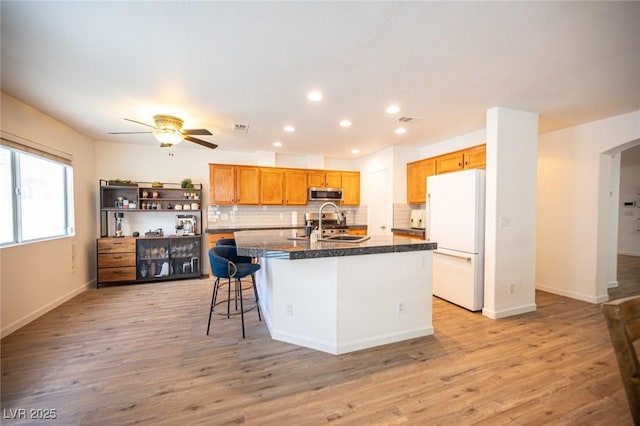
(427, 226)
(468, 259)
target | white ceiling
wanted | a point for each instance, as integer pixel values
(90, 64)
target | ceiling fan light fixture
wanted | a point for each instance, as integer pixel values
(168, 136)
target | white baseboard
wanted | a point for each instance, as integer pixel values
(574, 295)
(21, 322)
(509, 312)
(612, 284)
(333, 348)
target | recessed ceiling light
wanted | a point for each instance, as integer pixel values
(400, 131)
(277, 143)
(314, 96)
(345, 123)
(393, 109)
(355, 151)
(289, 129)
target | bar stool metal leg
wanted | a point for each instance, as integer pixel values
(255, 293)
(213, 302)
(239, 283)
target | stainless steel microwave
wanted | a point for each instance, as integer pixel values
(325, 194)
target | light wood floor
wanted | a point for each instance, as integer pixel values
(139, 354)
(628, 278)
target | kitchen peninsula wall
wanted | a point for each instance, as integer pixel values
(258, 216)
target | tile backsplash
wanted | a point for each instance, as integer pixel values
(402, 214)
(230, 216)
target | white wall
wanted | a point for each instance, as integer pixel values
(574, 187)
(510, 221)
(477, 137)
(37, 277)
(629, 217)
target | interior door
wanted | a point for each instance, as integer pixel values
(379, 204)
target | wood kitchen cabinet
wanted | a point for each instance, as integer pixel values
(471, 158)
(116, 260)
(283, 186)
(450, 162)
(295, 187)
(213, 238)
(247, 185)
(135, 260)
(325, 179)
(417, 173)
(271, 186)
(350, 188)
(358, 231)
(476, 157)
(230, 184)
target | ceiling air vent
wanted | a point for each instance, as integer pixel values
(405, 119)
(240, 128)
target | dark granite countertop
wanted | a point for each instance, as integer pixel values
(228, 229)
(274, 244)
(410, 231)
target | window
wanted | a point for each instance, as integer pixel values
(36, 194)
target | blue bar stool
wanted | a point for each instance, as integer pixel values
(225, 263)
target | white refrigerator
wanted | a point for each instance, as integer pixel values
(455, 220)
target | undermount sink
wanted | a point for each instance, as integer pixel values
(347, 238)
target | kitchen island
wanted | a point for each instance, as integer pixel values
(341, 297)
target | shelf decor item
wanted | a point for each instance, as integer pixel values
(156, 184)
(121, 182)
(186, 183)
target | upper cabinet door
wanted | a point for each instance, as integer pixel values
(325, 179)
(476, 157)
(450, 162)
(247, 185)
(295, 187)
(221, 184)
(271, 186)
(350, 188)
(333, 180)
(316, 178)
(417, 173)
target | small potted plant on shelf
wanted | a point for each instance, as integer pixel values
(186, 183)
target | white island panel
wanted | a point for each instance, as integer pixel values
(346, 303)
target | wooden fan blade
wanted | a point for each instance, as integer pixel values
(196, 132)
(140, 122)
(200, 142)
(128, 133)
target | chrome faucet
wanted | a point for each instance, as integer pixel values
(328, 203)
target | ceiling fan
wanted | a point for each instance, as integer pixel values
(168, 130)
